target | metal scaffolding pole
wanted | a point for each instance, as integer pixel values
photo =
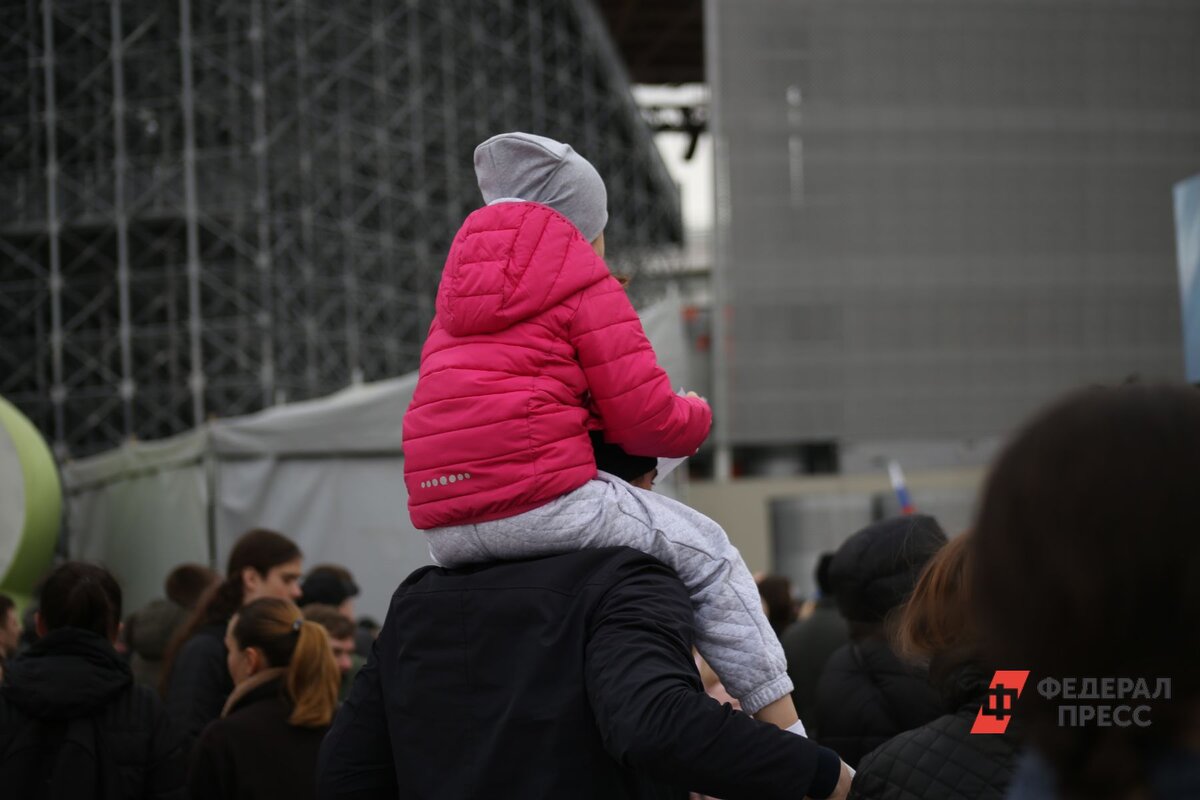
(191, 212)
(260, 149)
(121, 215)
(723, 453)
(58, 390)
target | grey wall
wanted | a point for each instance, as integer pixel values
(939, 214)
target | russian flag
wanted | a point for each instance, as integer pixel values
(900, 488)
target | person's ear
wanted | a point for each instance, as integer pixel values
(256, 662)
(251, 582)
(39, 624)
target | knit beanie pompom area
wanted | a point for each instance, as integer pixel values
(523, 166)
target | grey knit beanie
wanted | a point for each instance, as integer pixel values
(522, 166)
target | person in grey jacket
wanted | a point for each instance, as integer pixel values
(148, 631)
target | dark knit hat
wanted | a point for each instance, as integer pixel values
(876, 569)
(612, 459)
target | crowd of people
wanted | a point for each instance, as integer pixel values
(581, 635)
(576, 674)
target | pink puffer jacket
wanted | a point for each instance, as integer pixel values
(534, 343)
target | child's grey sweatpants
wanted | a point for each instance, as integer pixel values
(732, 633)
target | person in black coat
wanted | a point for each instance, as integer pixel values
(195, 680)
(943, 760)
(286, 685)
(567, 676)
(73, 724)
(809, 643)
(866, 694)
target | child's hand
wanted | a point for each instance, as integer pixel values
(698, 397)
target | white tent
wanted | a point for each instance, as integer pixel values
(328, 472)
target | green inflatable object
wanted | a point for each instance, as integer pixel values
(30, 504)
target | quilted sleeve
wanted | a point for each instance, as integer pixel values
(633, 395)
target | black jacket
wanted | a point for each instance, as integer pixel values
(74, 725)
(254, 753)
(808, 645)
(200, 682)
(942, 760)
(866, 696)
(569, 676)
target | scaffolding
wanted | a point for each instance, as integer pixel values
(212, 207)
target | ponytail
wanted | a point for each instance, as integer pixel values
(286, 639)
(313, 678)
(261, 550)
(216, 607)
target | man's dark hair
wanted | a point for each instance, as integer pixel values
(335, 623)
(328, 584)
(615, 461)
(81, 595)
(7, 606)
(186, 584)
(776, 592)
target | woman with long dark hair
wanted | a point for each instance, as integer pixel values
(195, 678)
(72, 721)
(286, 684)
(1087, 571)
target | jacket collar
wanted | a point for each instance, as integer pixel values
(248, 687)
(67, 673)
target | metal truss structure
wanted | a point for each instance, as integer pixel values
(211, 207)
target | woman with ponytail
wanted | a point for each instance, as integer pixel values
(286, 685)
(195, 679)
(73, 724)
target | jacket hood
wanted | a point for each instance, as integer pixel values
(965, 684)
(68, 673)
(510, 262)
(150, 630)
